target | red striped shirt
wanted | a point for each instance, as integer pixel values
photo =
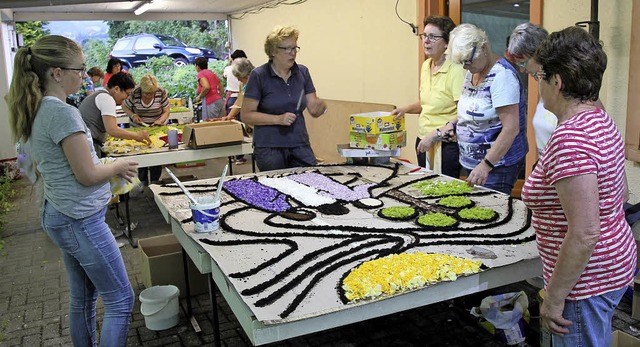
(587, 143)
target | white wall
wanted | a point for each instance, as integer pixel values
(356, 50)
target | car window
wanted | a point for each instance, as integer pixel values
(146, 42)
(171, 41)
(121, 44)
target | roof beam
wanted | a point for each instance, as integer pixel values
(80, 16)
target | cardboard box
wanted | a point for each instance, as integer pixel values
(375, 123)
(209, 134)
(161, 260)
(345, 151)
(622, 339)
(383, 142)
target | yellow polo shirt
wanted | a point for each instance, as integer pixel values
(439, 94)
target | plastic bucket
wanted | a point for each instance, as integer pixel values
(206, 214)
(160, 307)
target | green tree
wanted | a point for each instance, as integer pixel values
(31, 31)
(96, 53)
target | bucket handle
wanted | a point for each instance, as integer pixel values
(166, 302)
(208, 215)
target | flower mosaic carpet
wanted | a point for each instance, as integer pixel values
(288, 238)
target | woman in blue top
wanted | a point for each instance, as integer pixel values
(76, 186)
(275, 96)
(492, 123)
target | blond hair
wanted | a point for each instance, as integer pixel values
(148, 84)
(31, 72)
(463, 40)
(279, 34)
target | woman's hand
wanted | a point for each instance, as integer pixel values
(126, 169)
(479, 174)
(426, 143)
(159, 122)
(398, 113)
(287, 119)
(197, 100)
(551, 317)
(143, 136)
(136, 119)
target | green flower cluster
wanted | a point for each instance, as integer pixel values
(477, 213)
(398, 211)
(440, 188)
(455, 201)
(436, 220)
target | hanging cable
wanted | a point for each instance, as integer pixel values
(414, 29)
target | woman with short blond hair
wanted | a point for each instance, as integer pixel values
(276, 94)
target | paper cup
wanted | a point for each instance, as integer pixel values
(206, 214)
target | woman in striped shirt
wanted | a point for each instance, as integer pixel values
(148, 103)
(576, 193)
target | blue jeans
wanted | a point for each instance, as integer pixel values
(94, 266)
(501, 178)
(591, 322)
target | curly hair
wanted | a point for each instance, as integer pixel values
(279, 34)
(578, 58)
(465, 40)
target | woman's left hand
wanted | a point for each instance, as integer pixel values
(551, 318)
(479, 175)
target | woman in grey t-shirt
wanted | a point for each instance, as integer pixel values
(76, 186)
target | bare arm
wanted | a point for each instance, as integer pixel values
(399, 112)
(579, 199)
(114, 130)
(134, 117)
(205, 88)
(87, 173)
(315, 105)
(163, 117)
(510, 120)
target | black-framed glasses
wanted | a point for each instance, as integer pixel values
(470, 60)
(538, 75)
(289, 50)
(82, 70)
(430, 37)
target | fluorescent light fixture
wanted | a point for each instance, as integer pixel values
(142, 8)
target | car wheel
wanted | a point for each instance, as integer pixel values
(180, 62)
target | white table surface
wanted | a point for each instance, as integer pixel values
(262, 332)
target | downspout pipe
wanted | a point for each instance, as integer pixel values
(594, 24)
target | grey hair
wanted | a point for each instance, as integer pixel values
(241, 68)
(525, 39)
(464, 38)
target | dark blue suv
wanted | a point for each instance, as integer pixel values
(135, 50)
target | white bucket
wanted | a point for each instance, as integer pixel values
(160, 307)
(206, 214)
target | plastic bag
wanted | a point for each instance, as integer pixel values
(118, 184)
(504, 315)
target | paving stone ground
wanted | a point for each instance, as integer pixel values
(34, 295)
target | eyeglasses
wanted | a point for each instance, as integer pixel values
(523, 64)
(470, 60)
(539, 75)
(430, 37)
(289, 50)
(82, 70)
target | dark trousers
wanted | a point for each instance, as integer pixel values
(269, 158)
(150, 174)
